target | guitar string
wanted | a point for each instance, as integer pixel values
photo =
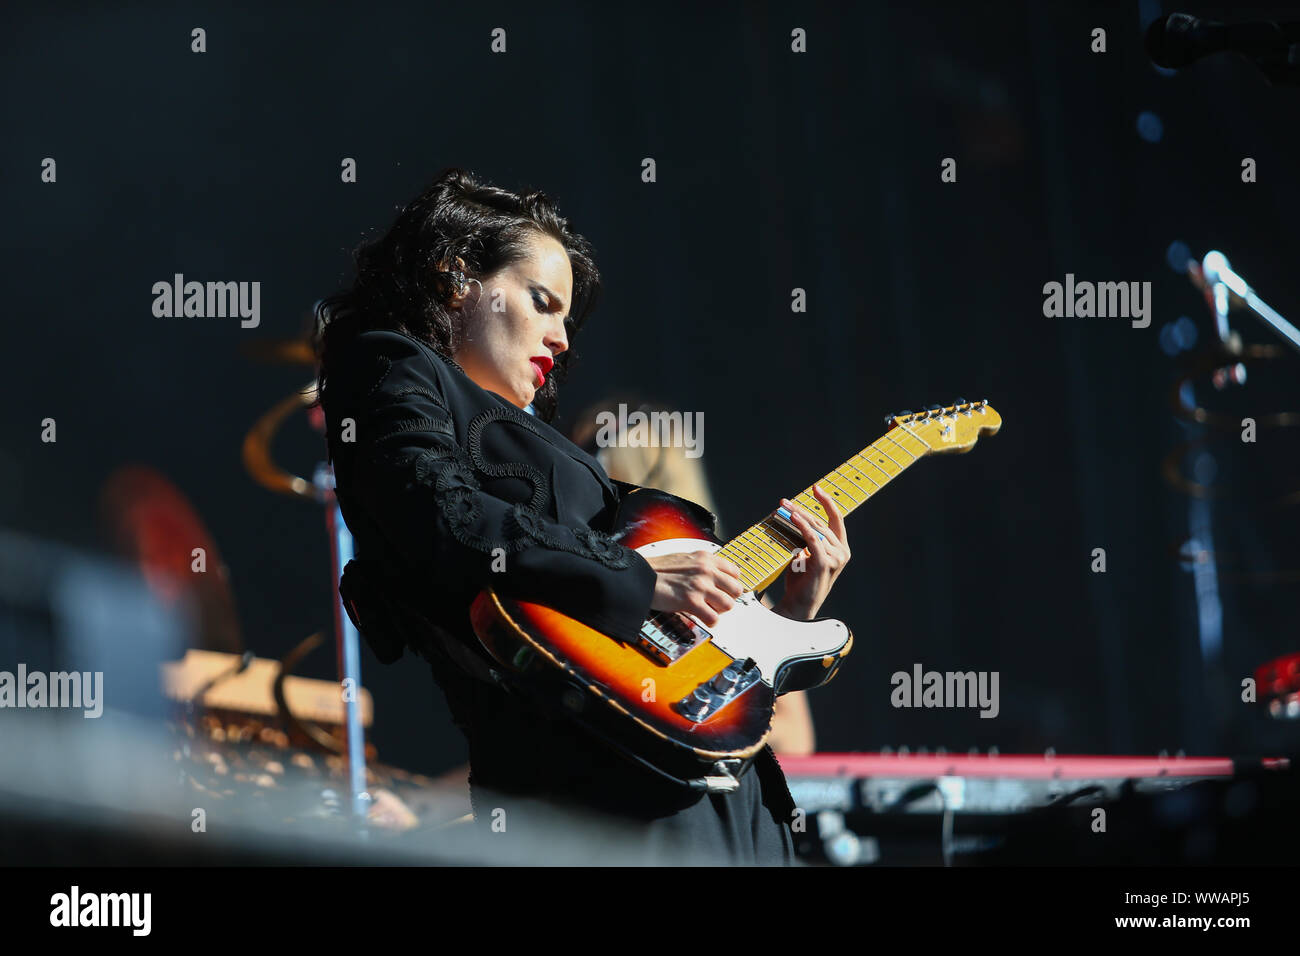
(766, 526)
(755, 547)
(763, 527)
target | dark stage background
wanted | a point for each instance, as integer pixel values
(775, 170)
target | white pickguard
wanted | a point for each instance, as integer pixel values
(751, 630)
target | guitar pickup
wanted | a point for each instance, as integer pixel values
(666, 636)
(725, 686)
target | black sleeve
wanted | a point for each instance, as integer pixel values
(406, 470)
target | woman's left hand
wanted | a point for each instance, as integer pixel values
(822, 560)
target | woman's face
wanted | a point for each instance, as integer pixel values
(514, 329)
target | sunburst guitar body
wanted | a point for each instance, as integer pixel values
(692, 702)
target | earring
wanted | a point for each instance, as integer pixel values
(457, 280)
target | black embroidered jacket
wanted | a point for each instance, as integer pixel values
(463, 491)
(438, 479)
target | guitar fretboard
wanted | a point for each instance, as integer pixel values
(765, 549)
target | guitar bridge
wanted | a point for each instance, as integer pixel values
(665, 636)
(711, 696)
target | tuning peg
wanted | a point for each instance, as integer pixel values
(959, 401)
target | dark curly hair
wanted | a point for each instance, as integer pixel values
(399, 286)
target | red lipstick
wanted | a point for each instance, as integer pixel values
(543, 364)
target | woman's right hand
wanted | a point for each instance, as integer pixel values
(697, 582)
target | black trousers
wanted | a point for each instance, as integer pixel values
(539, 783)
(736, 829)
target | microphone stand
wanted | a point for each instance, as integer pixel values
(320, 488)
(1224, 290)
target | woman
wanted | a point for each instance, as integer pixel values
(460, 317)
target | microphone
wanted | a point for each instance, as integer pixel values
(1216, 270)
(1181, 38)
(1273, 48)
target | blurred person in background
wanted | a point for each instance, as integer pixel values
(669, 468)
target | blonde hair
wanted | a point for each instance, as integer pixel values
(655, 465)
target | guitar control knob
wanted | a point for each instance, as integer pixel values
(727, 678)
(699, 702)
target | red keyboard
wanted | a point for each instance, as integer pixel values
(1019, 766)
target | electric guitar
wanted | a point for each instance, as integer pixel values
(695, 703)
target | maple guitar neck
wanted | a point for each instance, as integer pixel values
(766, 548)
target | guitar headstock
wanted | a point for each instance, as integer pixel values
(949, 428)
